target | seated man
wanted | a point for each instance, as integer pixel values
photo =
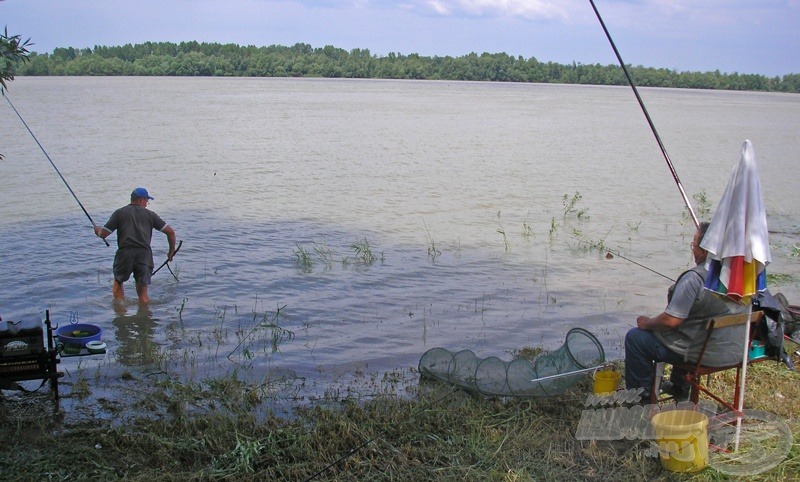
(677, 334)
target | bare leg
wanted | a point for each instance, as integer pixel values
(118, 290)
(119, 307)
(141, 290)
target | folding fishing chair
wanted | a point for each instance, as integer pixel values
(695, 371)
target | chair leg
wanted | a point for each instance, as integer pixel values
(695, 383)
(658, 374)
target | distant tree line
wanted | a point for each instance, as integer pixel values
(302, 60)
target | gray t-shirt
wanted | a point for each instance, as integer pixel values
(134, 225)
(696, 305)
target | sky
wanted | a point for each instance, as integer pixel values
(744, 36)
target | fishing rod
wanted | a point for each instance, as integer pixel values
(52, 163)
(610, 255)
(576, 372)
(649, 120)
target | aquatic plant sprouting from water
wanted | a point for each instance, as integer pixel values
(702, 208)
(703, 204)
(302, 259)
(180, 309)
(433, 253)
(571, 206)
(363, 252)
(265, 328)
(502, 231)
(588, 244)
(774, 279)
(324, 255)
(553, 226)
(527, 230)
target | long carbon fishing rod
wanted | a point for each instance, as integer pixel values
(611, 254)
(51, 162)
(647, 115)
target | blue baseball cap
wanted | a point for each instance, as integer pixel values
(140, 192)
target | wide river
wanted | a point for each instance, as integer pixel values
(461, 191)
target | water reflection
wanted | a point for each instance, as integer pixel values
(134, 333)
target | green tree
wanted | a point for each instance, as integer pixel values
(13, 51)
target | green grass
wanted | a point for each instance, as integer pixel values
(303, 259)
(224, 429)
(364, 253)
(306, 259)
(779, 279)
(572, 206)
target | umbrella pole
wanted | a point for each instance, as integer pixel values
(743, 374)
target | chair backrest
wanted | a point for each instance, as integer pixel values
(733, 320)
(725, 338)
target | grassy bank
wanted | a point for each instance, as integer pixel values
(223, 430)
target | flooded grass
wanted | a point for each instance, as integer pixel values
(390, 426)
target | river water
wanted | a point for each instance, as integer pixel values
(459, 190)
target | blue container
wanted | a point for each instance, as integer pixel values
(756, 349)
(77, 335)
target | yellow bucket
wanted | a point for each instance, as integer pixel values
(682, 438)
(605, 381)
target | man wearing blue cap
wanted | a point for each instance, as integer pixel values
(134, 224)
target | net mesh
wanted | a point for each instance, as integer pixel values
(519, 377)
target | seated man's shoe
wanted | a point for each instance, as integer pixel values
(679, 393)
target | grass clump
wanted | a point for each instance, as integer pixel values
(779, 279)
(363, 252)
(303, 259)
(572, 206)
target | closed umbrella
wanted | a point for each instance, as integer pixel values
(737, 239)
(737, 242)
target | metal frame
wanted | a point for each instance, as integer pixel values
(35, 366)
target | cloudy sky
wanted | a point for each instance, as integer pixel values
(745, 36)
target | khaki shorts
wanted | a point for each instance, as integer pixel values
(136, 261)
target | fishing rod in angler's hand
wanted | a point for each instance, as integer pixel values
(649, 120)
(52, 163)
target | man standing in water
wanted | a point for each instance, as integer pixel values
(134, 224)
(677, 334)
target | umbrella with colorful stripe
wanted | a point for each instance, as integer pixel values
(737, 241)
